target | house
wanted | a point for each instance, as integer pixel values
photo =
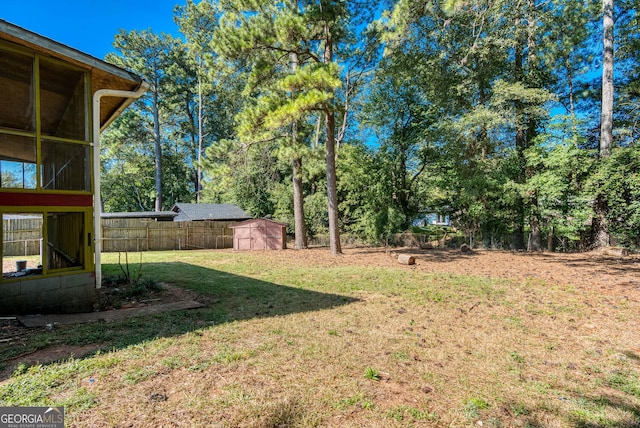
(217, 212)
(55, 101)
(434, 219)
(148, 215)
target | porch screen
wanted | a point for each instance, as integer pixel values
(65, 240)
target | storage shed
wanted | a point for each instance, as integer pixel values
(259, 234)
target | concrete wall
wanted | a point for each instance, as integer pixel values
(53, 294)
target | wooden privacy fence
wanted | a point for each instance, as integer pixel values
(133, 234)
(22, 236)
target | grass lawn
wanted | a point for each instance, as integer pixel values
(303, 339)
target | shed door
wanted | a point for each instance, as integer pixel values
(273, 237)
(259, 238)
(242, 236)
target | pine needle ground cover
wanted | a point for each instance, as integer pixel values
(303, 339)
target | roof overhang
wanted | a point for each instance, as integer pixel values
(103, 74)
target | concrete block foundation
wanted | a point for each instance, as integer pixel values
(73, 293)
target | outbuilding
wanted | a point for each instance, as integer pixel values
(55, 101)
(214, 212)
(259, 234)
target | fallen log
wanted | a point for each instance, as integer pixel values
(406, 259)
(614, 251)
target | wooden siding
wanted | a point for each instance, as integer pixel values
(259, 234)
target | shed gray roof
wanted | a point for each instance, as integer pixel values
(141, 214)
(220, 212)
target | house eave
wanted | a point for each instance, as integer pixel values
(103, 74)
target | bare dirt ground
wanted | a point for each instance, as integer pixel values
(592, 270)
(13, 333)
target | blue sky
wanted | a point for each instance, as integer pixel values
(90, 26)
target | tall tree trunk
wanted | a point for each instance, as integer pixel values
(518, 232)
(534, 223)
(600, 228)
(200, 136)
(332, 192)
(300, 229)
(606, 115)
(330, 147)
(157, 147)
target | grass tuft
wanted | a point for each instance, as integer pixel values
(372, 374)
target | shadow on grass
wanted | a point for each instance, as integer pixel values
(586, 412)
(227, 297)
(596, 406)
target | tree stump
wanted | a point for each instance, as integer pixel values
(406, 259)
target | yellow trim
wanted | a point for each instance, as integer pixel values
(88, 250)
(15, 48)
(7, 131)
(87, 212)
(45, 191)
(39, 137)
(85, 74)
(36, 70)
(49, 275)
(65, 140)
(92, 182)
(4, 209)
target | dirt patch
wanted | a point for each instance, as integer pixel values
(593, 270)
(17, 335)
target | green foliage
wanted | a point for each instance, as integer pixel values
(242, 174)
(473, 406)
(485, 113)
(627, 382)
(372, 374)
(557, 183)
(618, 177)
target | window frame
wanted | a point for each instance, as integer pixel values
(87, 245)
(39, 136)
(88, 251)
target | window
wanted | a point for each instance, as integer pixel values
(61, 141)
(63, 102)
(17, 100)
(65, 166)
(17, 162)
(65, 240)
(21, 245)
(44, 147)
